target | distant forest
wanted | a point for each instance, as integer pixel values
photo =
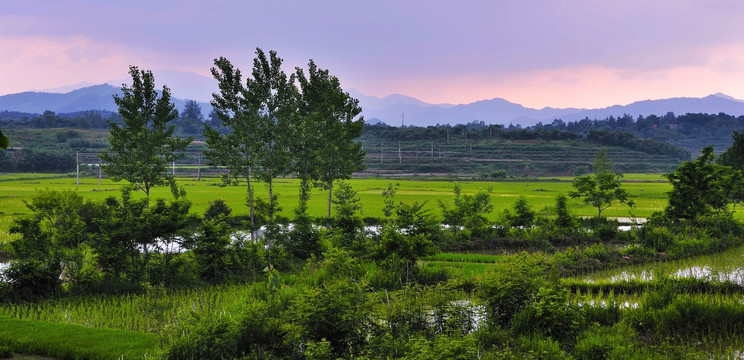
(669, 136)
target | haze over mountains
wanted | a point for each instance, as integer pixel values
(396, 108)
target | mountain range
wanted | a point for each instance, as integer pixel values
(399, 109)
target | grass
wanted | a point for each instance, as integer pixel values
(715, 267)
(540, 195)
(75, 342)
(461, 257)
(152, 312)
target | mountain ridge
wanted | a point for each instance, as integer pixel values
(401, 109)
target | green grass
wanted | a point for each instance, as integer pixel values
(539, 194)
(469, 258)
(715, 267)
(152, 312)
(75, 342)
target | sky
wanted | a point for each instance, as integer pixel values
(570, 53)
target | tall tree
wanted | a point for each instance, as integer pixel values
(141, 150)
(191, 119)
(270, 95)
(332, 116)
(236, 148)
(257, 117)
(602, 188)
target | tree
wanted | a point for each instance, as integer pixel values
(331, 115)
(469, 211)
(734, 157)
(601, 188)
(270, 96)
(3, 141)
(257, 117)
(236, 148)
(141, 150)
(191, 119)
(523, 216)
(699, 187)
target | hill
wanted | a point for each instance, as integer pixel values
(96, 97)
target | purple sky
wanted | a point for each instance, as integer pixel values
(537, 53)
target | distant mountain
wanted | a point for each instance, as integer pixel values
(396, 109)
(96, 97)
(500, 111)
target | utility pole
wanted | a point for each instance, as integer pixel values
(400, 157)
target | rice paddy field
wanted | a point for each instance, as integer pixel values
(647, 190)
(713, 283)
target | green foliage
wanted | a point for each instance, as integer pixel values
(551, 314)
(657, 238)
(337, 312)
(141, 150)
(602, 188)
(563, 219)
(34, 278)
(210, 250)
(332, 118)
(524, 216)
(699, 187)
(598, 343)
(468, 211)
(733, 157)
(75, 342)
(397, 255)
(218, 209)
(4, 141)
(388, 195)
(191, 120)
(508, 292)
(347, 222)
(6, 352)
(413, 219)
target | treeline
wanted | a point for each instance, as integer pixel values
(691, 131)
(477, 131)
(92, 119)
(630, 141)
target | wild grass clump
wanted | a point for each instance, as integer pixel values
(75, 342)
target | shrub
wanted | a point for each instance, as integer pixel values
(550, 314)
(32, 278)
(659, 238)
(508, 292)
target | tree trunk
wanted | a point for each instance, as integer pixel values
(330, 193)
(250, 204)
(271, 201)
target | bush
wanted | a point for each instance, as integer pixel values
(550, 314)
(659, 239)
(31, 279)
(508, 292)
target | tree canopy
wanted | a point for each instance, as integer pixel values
(602, 188)
(141, 149)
